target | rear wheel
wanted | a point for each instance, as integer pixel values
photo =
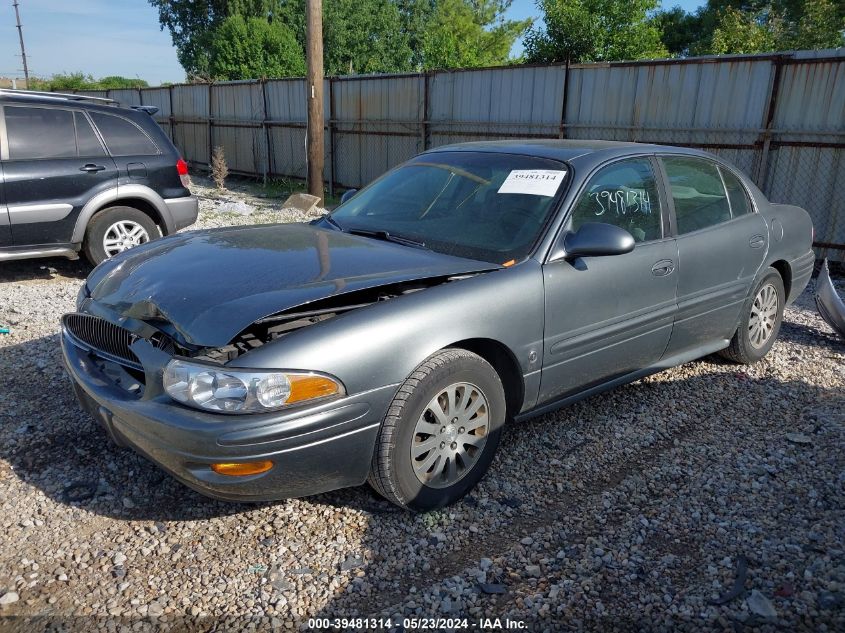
(115, 230)
(761, 320)
(440, 433)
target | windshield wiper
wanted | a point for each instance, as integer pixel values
(388, 237)
(328, 218)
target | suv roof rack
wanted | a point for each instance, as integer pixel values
(60, 95)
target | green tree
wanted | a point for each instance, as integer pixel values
(469, 34)
(67, 82)
(679, 30)
(64, 82)
(415, 16)
(746, 26)
(192, 22)
(250, 48)
(821, 25)
(745, 32)
(595, 30)
(364, 36)
(113, 82)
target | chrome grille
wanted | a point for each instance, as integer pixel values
(106, 339)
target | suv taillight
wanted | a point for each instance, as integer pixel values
(182, 170)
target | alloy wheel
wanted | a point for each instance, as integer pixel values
(124, 235)
(450, 435)
(763, 319)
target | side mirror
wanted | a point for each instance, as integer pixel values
(347, 194)
(594, 239)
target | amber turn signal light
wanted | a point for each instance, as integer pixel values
(242, 469)
(310, 387)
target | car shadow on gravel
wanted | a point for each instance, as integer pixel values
(50, 443)
(47, 269)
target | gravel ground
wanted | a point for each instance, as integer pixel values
(638, 509)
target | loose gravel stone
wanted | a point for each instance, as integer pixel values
(631, 508)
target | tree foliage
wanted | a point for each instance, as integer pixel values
(66, 82)
(363, 36)
(252, 48)
(595, 30)
(753, 26)
(359, 36)
(465, 34)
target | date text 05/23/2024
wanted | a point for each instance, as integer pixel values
(417, 624)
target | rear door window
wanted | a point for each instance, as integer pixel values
(86, 139)
(35, 133)
(123, 138)
(698, 193)
(736, 194)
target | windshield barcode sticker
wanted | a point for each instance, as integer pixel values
(537, 182)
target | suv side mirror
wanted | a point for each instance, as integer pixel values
(594, 239)
(347, 194)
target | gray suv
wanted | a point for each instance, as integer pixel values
(83, 173)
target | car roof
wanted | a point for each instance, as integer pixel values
(59, 99)
(566, 150)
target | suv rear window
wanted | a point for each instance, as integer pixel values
(86, 139)
(40, 133)
(123, 138)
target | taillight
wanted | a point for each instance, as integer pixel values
(182, 170)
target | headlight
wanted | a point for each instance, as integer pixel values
(234, 390)
(82, 295)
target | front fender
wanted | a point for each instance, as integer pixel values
(381, 344)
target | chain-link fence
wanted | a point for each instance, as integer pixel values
(779, 118)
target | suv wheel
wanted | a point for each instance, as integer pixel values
(440, 432)
(115, 230)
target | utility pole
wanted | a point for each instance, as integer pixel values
(314, 94)
(23, 50)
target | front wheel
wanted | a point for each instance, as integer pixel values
(761, 320)
(440, 433)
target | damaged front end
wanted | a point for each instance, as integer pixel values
(275, 326)
(829, 304)
(133, 352)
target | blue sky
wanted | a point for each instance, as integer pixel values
(116, 37)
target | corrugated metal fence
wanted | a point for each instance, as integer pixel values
(780, 118)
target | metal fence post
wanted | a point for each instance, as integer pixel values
(172, 118)
(268, 157)
(210, 125)
(425, 137)
(330, 130)
(765, 140)
(562, 131)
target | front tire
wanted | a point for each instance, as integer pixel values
(117, 229)
(440, 433)
(761, 319)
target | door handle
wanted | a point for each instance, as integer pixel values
(663, 267)
(757, 241)
(91, 168)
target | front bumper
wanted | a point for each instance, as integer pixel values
(313, 449)
(183, 211)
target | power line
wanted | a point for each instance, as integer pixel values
(20, 35)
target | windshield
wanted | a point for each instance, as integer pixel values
(480, 205)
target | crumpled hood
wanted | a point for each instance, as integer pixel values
(211, 285)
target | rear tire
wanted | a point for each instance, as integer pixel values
(111, 222)
(440, 433)
(762, 315)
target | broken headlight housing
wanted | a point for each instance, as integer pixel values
(239, 390)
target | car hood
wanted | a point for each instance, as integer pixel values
(211, 285)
